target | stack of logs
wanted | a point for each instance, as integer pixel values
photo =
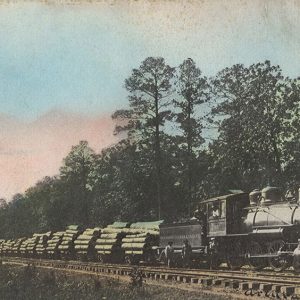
(7, 247)
(28, 246)
(85, 244)
(141, 241)
(17, 245)
(66, 247)
(109, 244)
(53, 243)
(42, 243)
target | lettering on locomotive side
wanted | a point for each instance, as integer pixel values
(185, 236)
(177, 234)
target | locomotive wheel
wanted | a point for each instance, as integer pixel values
(278, 264)
(256, 263)
(234, 255)
(214, 263)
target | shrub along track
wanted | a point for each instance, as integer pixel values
(240, 283)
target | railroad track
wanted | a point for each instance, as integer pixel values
(245, 282)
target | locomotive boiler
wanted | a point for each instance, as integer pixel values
(273, 226)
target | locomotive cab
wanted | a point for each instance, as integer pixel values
(225, 232)
(225, 214)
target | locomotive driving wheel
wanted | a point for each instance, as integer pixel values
(278, 263)
(256, 263)
(234, 255)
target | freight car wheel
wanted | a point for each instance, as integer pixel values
(279, 263)
(129, 260)
(162, 258)
(256, 263)
(101, 258)
(234, 255)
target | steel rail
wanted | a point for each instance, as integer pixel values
(262, 277)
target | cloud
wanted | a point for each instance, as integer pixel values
(30, 151)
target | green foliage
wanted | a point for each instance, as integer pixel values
(163, 164)
(193, 91)
(30, 283)
(150, 88)
(74, 174)
(257, 111)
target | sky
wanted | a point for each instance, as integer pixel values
(63, 65)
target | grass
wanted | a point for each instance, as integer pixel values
(29, 283)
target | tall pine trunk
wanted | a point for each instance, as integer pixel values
(189, 145)
(157, 157)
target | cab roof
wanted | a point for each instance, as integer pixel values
(225, 197)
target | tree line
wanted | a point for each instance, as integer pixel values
(183, 138)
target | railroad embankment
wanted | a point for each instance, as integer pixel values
(30, 283)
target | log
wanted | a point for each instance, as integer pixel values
(51, 248)
(67, 238)
(70, 232)
(154, 225)
(70, 235)
(81, 247)
(73, 227)
(92, 231)
(85, 237)
(106, 241)
(138, 235)
(104, 247)
(134, 252)
(83, 242)
(55, 239)
(53, 242)
(59, 233)
(133, 245)
(42, 235)
(135, 240)
(62, 247)
(109, 236)
(118, 225)
(66, 242)
(104, 252)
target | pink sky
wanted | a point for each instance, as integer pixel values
(30, 151)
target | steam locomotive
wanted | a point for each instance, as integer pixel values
(260, 229)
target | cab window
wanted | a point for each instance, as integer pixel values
(216, 209)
